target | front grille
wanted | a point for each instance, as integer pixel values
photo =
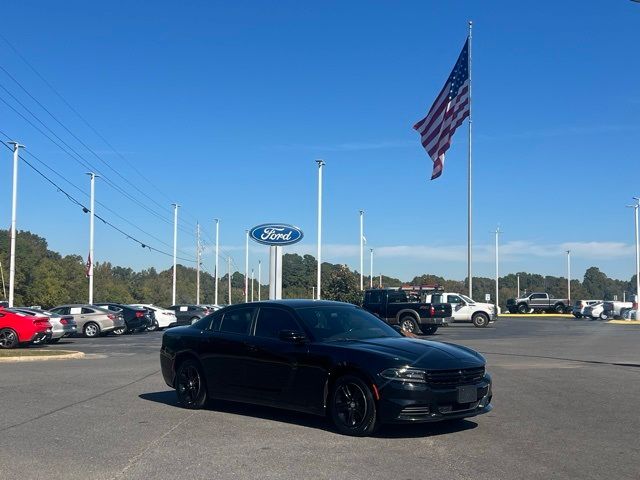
(414, 412)
(460, 376)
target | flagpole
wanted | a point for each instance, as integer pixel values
(469, 231)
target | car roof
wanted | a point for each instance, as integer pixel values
(299, 303)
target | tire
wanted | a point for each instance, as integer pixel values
(40, 341)
(577, 315)
(352, 407)
(119, 331)
(559, 308)
(193, 319)
(8, 338)
(91, 330)
(54, 340)
(191, 387)
(408, 324)
(428, 329)
(480, 320)
(153, 327)
(604, 316)
(523, 308)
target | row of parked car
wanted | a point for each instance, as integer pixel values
(604, 310)
(34, 325)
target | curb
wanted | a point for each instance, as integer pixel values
(36, 358)
(624, 322)
(535, 315)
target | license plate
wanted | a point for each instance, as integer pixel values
(467, 394)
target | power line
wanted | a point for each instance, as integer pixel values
(75, 201)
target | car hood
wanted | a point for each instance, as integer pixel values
(416, 352)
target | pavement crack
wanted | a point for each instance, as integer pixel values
(136, 458)
(106, 392)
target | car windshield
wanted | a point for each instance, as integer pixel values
(466, 299)
(334, 323)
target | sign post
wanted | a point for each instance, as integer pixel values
(276, 235)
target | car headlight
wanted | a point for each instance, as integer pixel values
(404, 374)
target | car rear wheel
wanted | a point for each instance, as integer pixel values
(119, 331)
(190, 385)
(91, 330)
(409, 325)
(480, 320)
(8, 338)
(352, 407)
(428, 329)
(153, 327)
(559, 308)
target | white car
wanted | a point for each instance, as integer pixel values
(163, 318)
(581, 305)
(464, 309)
(594, 311)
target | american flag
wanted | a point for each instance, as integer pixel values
(447, 113)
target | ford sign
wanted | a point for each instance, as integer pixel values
(276, 234)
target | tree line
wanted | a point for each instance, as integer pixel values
(44, 277)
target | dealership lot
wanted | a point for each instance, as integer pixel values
(566, 396)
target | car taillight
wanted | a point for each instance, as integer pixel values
(111, 316)
(139, 314)
(63, 321)
(433, 311)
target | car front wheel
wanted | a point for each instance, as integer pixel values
(8, 338)
(480, 320)
(190, 385)
(352, 407)
(91, 330)
(428, 329)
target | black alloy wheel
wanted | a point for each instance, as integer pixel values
(8, 338)
(559, 308)
(153, 327)
(522, 308)
(352, 407)
(190, 385)
(408, 324)
(428, 329)
(480, 320)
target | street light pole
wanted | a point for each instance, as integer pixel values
(246, 267)
(319, 269)
(518, 280)
(361, 249)
(217, 257)
(229, 277)
(371, 270)
(259, 279)
(569, 276)
(635, 208)
(91, 235)
(497, 232)
(252, 284)
(198, 263)
(175, 250)
(14, 205)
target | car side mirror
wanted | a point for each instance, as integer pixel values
(292, 336)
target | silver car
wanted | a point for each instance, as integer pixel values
(92, 321)
(61, 325)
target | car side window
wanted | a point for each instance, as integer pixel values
(453, 299)
(87, 310)
(538, 296)
(237, 321)
(271, 321)
(394, 298)
(75, 310)
(375, 297)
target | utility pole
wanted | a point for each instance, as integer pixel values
(497, 233)
(175, 250)
(91, 261)
(371, 270)
(319, 269)
(252, 283)
(14, 204)
(569, 276)
(246, 267)
(313, 292)
(380, 284)
(635, 208)
(198, 263)
(518, 280)
(361, 249)
(217, 256)
(259, 279)
(229, 277)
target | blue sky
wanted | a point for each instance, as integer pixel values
(225, 106)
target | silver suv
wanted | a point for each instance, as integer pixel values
(92, 321)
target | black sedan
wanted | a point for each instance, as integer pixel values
(326, 358)
(136, 319)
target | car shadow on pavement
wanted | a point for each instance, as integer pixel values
(168, 397)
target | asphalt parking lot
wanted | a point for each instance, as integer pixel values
(566, 397)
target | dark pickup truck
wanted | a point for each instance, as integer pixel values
(393, 306)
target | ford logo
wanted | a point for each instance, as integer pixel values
(276, 234)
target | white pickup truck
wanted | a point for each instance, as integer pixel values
(464, 309)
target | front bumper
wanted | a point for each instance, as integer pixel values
(404, 402)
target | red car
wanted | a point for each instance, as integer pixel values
(16, 328)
